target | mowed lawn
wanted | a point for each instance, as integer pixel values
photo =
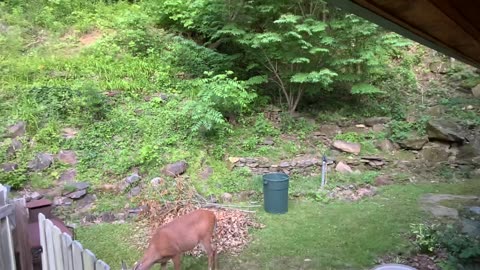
(338, 235)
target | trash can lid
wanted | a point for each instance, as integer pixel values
(393, 266)
(38, 203)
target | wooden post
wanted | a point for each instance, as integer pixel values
(21, 244)
(43, 241)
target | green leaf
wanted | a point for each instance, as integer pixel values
(324, 77)
(365, 89)
(287, 19)
(300, 60)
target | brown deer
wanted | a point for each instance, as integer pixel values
(182, 234)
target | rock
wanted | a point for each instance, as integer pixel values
(206, 173)
(175, 169)
(445, 130)
(474, 209)
(370, 122)
(284, 165)
(476, 91)
(378, 128)
(67, 157)
(329, 130)
(385, 145)
(383, 180)
(471, 227)
(14, 147)
(9, 167)
(268, 141)
(77, 194)
(413, 142)
(353, 148)
(68, 176)
(226, 197)
(468, 154)
(435, 152)
(436, 111)
(81, 185)
(69, 133)
(343, 168)
(40, 162)
(360, 126)
(35, 195)
(135, 191)
(132, 179)
(107, 217)
(16, 130)
(469, 107)
(157, 181)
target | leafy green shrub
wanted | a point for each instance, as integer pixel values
(263, 127)
(353, 137)
(16, 179)
(82, 105)
(462, 249)
(400, 130)
(426, 237)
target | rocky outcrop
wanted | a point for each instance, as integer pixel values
(372, 121)
(40, 162)
(413, 141)
(445, 130)
(435, 152)
(352, 148)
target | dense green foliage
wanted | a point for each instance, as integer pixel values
(301, 47)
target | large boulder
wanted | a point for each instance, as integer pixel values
(40, 162)
(372, 121)
(476, 91)
(353, 148)
(413, 141)
(435, 152)
(328, 130)
(175, 169)
(445, 130)
(469, 153)
(343, 168)
(16, 130)
(385, 145)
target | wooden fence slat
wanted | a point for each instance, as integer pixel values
(77, 255)
(6, 246)
(43, 240)
(101, 265)
(6, 210)
(88, 260)
(22, 245)
(7, 261)
(57, 247)
(50, 245)
(67, 252)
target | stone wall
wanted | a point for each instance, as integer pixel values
(304, 166)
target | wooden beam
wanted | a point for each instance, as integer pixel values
(393, 24)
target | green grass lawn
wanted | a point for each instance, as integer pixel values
(339, 235)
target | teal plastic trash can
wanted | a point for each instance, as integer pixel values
(275, 193)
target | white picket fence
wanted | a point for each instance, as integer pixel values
(60, 252)
(7, 258)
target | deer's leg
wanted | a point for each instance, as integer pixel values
(176, 261)
(207, 246)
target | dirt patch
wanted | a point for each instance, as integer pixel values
(90, 38)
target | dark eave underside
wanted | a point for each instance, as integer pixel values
(450, 27)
